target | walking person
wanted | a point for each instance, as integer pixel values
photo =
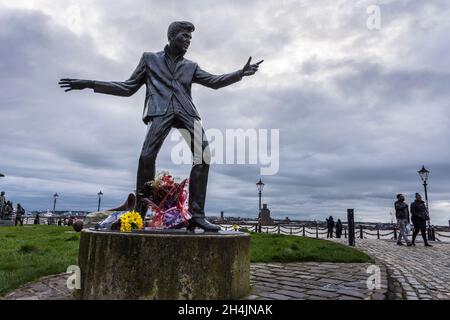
(338, 229)
(330, 227)
(419, 217)
(402, 215)
(19, 214)
(2, 203)
(36, 219)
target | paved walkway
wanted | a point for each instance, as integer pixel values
(279, 281)
(315, 281)
(412, 273)
(416, 273)
(47, 288)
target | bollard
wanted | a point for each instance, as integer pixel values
(361, 236)
(430, 233)
(303, 231)
(351, 227)
(395, 233)
(378, 232)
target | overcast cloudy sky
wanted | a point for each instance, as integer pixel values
(359, 111)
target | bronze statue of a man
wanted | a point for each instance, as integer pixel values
(168, 77)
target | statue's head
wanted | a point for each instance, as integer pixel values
(3, 193)
(179, 35)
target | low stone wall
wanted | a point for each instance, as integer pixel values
(164, 266)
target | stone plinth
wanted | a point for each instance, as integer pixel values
(175, 265)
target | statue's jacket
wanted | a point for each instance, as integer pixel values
(162, 83)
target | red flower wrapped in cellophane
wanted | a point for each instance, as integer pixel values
(168, 202)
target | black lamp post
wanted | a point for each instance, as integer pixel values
(423, 173)
(55, 196)
(260, 186)
(100, 194)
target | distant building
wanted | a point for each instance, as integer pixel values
(266, 220)
(221, 215)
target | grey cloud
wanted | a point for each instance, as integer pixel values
(354, 129)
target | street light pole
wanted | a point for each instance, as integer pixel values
(260, 186)
(423, 173)
(260, 193)
(100, 194)
(426, 194)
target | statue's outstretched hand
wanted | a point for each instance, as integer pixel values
(75, 84)
(250, 69)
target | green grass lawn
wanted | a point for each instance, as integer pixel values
(31, 252)
(285, 248)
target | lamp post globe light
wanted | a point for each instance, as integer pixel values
(55, 196)
(423, 173)
(100, 195)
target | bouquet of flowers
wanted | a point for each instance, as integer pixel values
(131, 221)
(168, 202)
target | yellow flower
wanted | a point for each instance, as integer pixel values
(131, 220)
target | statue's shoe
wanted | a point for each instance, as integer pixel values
(202, 223)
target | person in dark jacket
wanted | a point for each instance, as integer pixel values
(419, 217)
(2, 203)
(330, 227)
(19, 214)
(402, 215)
(338, 229)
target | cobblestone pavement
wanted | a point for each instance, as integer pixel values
(314, 281)
(412, 273)
(276, 281)
(416, 273)
(47, 288)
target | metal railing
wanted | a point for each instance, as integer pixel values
(362, 232)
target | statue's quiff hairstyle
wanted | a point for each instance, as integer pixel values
(178, 26)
